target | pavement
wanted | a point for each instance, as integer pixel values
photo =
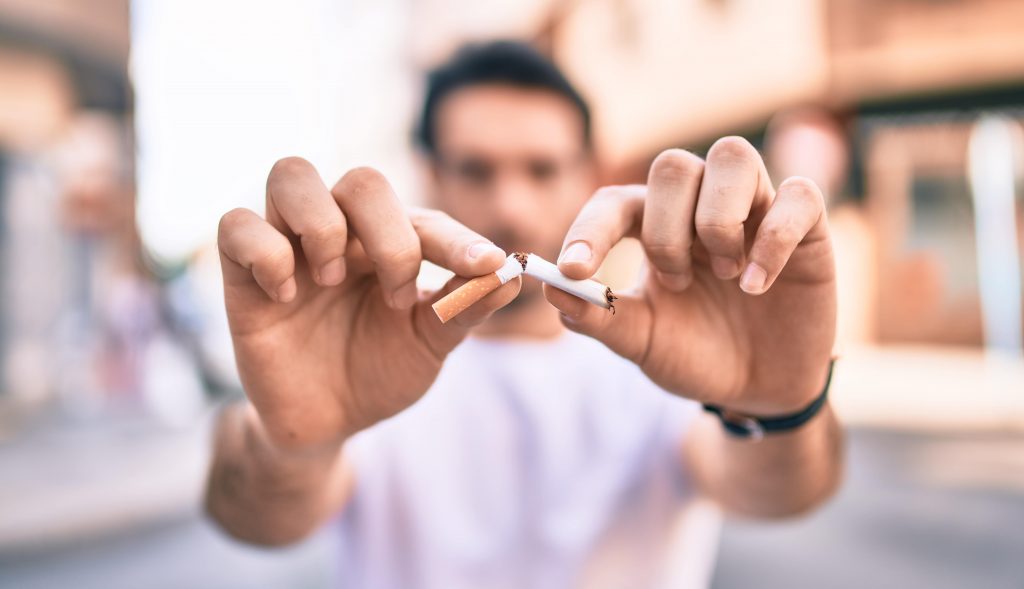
(68, 479)
(917, 510)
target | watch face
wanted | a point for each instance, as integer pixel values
(741, 425)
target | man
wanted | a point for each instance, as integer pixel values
(525, 455)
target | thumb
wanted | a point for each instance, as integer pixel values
(626, 330)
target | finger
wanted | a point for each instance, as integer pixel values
(298, 202)
(384, 228)
(253, 251)
(611, 214)
(734, 177)
(624, 331)
(667, 230)
(442, 338)
(450, 244)
(796, 214)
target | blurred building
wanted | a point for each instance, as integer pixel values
(83, 319)
(58, 57)
(910, 76)
(58, 60)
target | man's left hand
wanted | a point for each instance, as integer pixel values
(738, 303)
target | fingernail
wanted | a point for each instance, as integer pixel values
(577, 253)
(675, 282)
(332, 272)
(753, 279)
(478, 250)
(723, 267)
(286, 292)
(406, 296)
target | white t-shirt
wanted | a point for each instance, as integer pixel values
(528, 465)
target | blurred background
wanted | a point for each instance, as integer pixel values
(128, 127)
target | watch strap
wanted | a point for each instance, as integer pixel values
(749, 426)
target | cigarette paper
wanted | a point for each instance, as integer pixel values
(591, 291)
(461, 298)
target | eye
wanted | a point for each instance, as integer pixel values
(542, 170)
(474, 171)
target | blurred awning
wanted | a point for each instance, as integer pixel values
(90, 39)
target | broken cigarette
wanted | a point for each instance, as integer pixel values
(461, 298)
(589, 290)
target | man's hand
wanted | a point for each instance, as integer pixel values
(329, 331)
(738, 305)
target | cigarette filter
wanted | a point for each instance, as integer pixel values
(461, 298)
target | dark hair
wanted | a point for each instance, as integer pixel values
(509, 63)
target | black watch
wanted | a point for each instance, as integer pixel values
(755, 428)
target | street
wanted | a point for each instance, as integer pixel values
(916, 511)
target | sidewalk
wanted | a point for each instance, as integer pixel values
(65, 482)
(941, 389)
(117, 505)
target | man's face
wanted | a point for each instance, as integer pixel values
(511, 165)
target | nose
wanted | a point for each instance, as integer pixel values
(513, 201)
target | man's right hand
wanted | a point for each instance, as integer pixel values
(329, 330)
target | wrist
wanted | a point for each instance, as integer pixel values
(756, 426)
(784, 399)
(260, 440)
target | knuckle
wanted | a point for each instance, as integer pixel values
(804, 189)
(781, 232)
(663, 252)
(290, 166)
(232, 221)
(274, 258)
(424, 217)
(663, 243)
(269, 260)
(712, 218)
(676, 164)
(332, 230)
(454, 236)
(716, 232)
(585, 229)
(360, 182)
(732, 148)
(401, 256)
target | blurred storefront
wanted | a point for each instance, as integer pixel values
(88, 326)
(64, 154)
(907, 81)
